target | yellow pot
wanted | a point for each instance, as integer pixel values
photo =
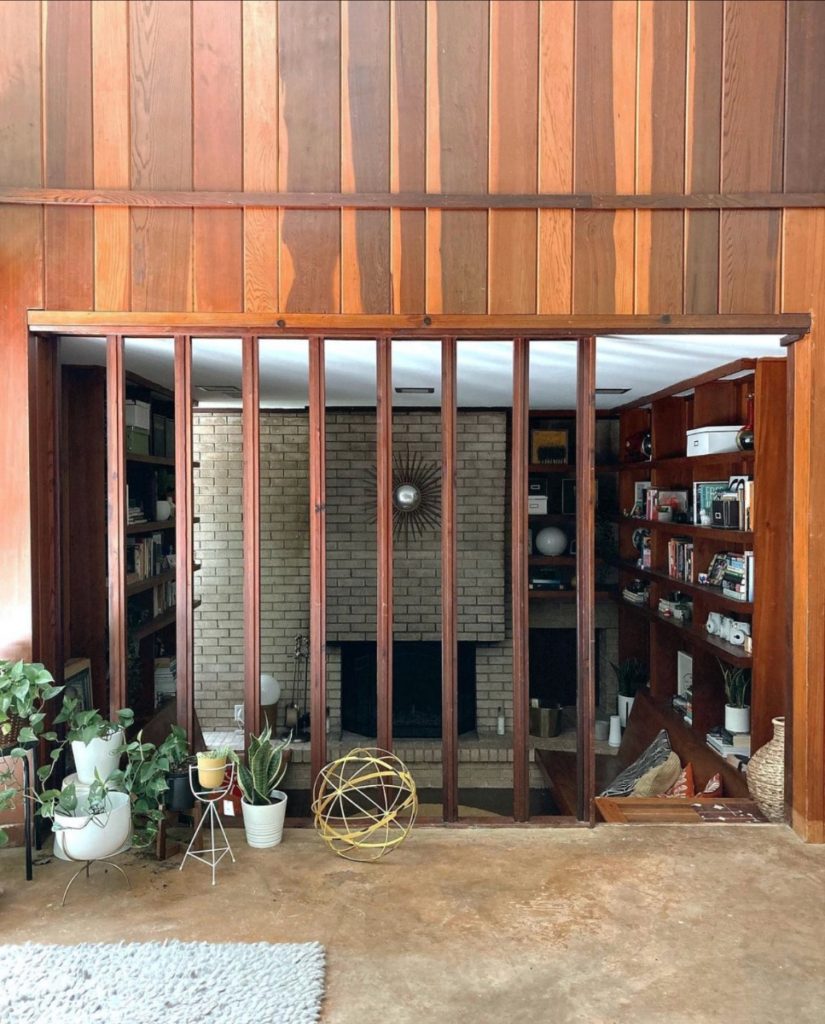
(211, 771)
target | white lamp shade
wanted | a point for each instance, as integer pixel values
(270, 689)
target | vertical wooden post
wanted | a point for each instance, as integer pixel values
(585, 574)
(518, 559)
(251, 537)
(184, 559)
(317, 555)
(449, 584)
(383, 402)
(116, 518)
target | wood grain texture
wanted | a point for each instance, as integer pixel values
(514, 143)
(184, 550)
(251, 387)
(160, 51)
(110, 111)
(449, 581)
(365, 154)
(804, 287)
(518, 571)
(317, 554)
(555, 141)
(408, 132)
(805, 84)
(457, 141)
(217, 152)
(749, 261)
(260, 151)
(116, 521)
(384, 541)
(310, 131)
(67, 104)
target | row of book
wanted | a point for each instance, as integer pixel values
(163, 598)
(145, 557)
(737, 576)
(680, 559)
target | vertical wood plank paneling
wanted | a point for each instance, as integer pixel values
(160, 51)
(514, 35)
(752, 133)
(116, 519)
(67, 104)
(384, 545)
(605, 102)
(518, 572)
(804, 288)
(184, 557)
(805, 111)
(449, 581)
(555, 248)
(110, 106)
(457, 133)
(317, 555)
(21, 257)
(217, 160)
(586, 575)
(660, 153)
(703, 152)
(365, 153)
(310, 130)
(251, 417)
(260, 152)
(408, 130)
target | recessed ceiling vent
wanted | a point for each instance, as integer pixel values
(218, 390)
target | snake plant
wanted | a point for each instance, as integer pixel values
(737, 685)
(264, 769)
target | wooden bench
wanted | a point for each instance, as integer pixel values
(647, 718)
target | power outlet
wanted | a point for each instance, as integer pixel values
(239, 712)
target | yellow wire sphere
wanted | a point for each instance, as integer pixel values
(364, 803)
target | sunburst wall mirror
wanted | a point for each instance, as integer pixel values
(416, 496)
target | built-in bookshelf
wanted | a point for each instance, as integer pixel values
(698, 564)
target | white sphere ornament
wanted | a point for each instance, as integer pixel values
(551, 541)
(270, 689)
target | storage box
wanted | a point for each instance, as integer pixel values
(137, 441)
(537, 486)
(536, 505)
(712, 440)
(138, 414)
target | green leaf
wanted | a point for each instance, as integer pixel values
(27, 735)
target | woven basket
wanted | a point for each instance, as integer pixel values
(766, 774)
(10, 738)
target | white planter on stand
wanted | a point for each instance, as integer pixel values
(264, 823)
(625, 704)
(737, 719)
(95, 837)
(99, 754)
(82, 791)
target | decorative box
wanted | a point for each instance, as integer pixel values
(712, 440)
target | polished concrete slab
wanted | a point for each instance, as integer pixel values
(677, 924)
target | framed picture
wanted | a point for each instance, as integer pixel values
(684, 673)
(77, 677)
(549, 447)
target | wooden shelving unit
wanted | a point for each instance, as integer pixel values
(656, 638)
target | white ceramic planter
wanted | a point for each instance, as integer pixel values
(99, 754)
(95, 837)
(737, 719)
(264, 823)
(625, 704)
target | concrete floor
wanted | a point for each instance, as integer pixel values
(672, 924)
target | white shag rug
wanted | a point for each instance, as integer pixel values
(159, 982)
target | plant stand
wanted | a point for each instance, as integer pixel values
(85, 865)
(210, 798)
(29, 828)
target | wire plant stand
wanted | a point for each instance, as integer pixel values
(211, 798)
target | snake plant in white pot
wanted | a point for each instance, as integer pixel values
(263, 805)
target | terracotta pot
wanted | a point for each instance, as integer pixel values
(766, 774)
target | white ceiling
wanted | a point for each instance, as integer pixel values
(644, 364)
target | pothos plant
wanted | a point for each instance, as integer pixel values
(82, 726)
(65, 802)
(145, 779)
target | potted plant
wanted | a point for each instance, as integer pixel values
(263, 806)
(96, 743)
(737, 698)
(145, 780)
(91, 827)
(178, 796)
(212, 767)
(632, 676)
(24, 689)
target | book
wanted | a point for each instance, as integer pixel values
(704, 493)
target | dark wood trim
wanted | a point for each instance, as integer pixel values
(586, 575)
(116, 519)
(737, 366)
(317, 555)
(791, 710)
(235, 199)
(184, 556)
(449, 582)
(251, 393)
(44, 451)
(520, 595)
(561, 327)
(383, 456)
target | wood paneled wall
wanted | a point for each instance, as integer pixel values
(631, 97)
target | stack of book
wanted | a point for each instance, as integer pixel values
(680, 559)
(729, 744)
(683, 705)
(737, 577)
(163, 598)
(640, 597)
